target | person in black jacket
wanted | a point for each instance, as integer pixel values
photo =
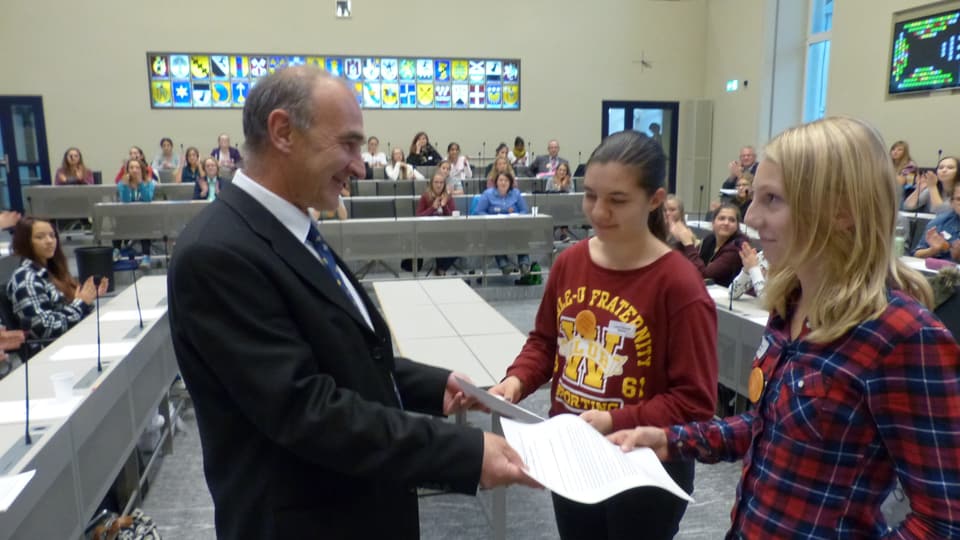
(300, 402)
(422, 153)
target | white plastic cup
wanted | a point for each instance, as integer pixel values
(535, 210)
(62, 385)
(455, 213)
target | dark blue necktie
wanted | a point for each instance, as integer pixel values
(326, 257)
(330, 263)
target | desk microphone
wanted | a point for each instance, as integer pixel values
(97, 311)
(393, 204)
(483, 152)
(730, 287)
(700, 205)
(136, 295)
(25, 356)
(166, 250)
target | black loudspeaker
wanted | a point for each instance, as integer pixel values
(369, 175)
(97, 177)
(96, 261)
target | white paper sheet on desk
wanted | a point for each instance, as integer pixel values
(13, 412)
(131, 315)
(12, 486)
(498, 405)
(567, 456)
(83, 352)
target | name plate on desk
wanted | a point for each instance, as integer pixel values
(89, 351)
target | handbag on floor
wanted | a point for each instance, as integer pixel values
(136, 526)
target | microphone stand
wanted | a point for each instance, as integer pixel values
(136, 295)
(700, 205)
(97, 308)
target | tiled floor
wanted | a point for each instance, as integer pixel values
(180, 503)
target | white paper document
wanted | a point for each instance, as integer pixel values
(13, 412)
(83, 352)
(498, 405)
(132, 315)
(567, 456)
(11, 487)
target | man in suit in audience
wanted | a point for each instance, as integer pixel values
(545, 165)
(747, 163)
(301, 404)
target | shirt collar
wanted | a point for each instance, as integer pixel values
(297, 222)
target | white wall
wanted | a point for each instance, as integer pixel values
(859, 56)
(89, 63)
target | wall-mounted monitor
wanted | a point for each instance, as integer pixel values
(209, 81)
(926, 53)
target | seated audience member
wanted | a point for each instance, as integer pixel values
(561, 182)
(754, 273)
(675, 213)
(47, 301)
(746, 163)
(546, 165)
(459, 165)
(208, 186)
(903, 164)
(422, 154)
(744, 195)
(519, 157)
(719, 255)
(942, 240)
(929, 194)
(505, 198)
(323, 215)
(400, 169)
(135, 153)
(454, 185)
(191, 170)
(499, 166)
(167, 159)
(502, 152)
(372, 155)
(437, 200)
(227, 157)
(135, 188)
(72, 170)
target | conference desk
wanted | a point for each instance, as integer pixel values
(76, 202)
(423, 237)
(472, 186)
(143, 220)
(445, 323)
(566, 208)
(77, 457)
(740, 326)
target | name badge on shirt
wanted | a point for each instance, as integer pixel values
(756, 381)
(621, 328)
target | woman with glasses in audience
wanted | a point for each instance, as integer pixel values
(47, 301)
(167, 160)
(135, 187)
(72, 171)
(928, 196)
(192, 169)
(505, 199)
(744, 195)
(422, 154)
(208, 186)
(855, 384)
(625, 335)
(400, 169)
(942, 239)
(437, 200)
(372, 155)
(718, 258)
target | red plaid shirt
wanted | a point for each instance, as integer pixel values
(836, 422)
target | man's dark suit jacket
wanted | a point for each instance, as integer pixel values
(298, 418)
(541, 162)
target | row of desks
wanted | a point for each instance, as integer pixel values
(77, 457)
(77, 202)
(369, 188)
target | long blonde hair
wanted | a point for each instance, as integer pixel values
(842, 192)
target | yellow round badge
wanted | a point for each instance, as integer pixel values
(755, 384)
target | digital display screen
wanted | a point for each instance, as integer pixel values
(926, 53)
(209, 81)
